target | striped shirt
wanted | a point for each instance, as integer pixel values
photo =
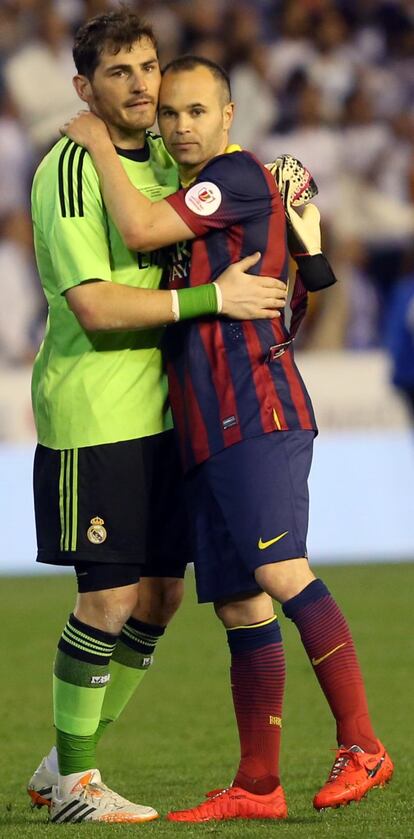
(230, 380)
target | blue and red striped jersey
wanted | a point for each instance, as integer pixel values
(225, 381)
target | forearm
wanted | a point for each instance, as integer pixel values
(127, 206)
(144, 225)
(109, 307)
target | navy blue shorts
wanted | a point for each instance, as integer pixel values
(249, 506)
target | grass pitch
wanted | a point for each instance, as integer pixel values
(178, 739)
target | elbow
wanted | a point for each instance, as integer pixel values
(139, 239)
(88, 315)
(89, 319)
(90, 304)
(132, 237)
(138, 242)
(133, 242)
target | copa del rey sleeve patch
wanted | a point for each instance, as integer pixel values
(203, 198)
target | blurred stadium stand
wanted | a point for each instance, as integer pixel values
(330, 81)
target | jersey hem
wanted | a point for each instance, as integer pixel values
(68, 558)
(72, 444)
(199, 459)
(214, 597)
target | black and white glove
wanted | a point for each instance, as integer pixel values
(297, 187)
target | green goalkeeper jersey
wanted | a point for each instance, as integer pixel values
(90, 388)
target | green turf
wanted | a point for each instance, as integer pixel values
(177, 739)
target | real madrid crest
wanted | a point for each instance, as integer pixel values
(96, 532)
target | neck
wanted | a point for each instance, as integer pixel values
(189, 172)
(133, 140)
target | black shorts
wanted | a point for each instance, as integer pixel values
(114, 503)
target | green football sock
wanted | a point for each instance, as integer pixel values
(131, 659)
(75, 754)
(81, 674)
(123, 684)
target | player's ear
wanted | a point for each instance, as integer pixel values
(83, 88)
(228, 113)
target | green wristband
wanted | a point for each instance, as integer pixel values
(194, 302)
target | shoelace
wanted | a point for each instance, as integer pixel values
(340, 763)
(92, 793)
(216, 793)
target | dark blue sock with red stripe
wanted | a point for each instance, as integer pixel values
(257, 681)
(328, 642)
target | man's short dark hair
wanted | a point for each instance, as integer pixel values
(190, 62)
(111, 31)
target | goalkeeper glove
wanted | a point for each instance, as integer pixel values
(296, 187)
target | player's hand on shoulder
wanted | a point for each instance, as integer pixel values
(86, 129)
(248, 296)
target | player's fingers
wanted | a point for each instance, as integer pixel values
(272, 282)
(269, 314)
(267, 310)
(270, 303)
(248, 261)
(67, 125)
(275, 296)
(277, 305)
(80, 116)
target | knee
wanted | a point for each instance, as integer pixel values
(158, 599)
(107, 610)
(245, 611)
(230, 614)
(286, 579)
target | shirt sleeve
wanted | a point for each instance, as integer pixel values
(230, 189)
(72, 221)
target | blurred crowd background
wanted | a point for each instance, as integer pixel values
(329, 81)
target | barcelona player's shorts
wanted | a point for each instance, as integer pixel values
(120, 506)
(248, 507)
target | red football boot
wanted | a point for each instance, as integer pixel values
(353, 774)
(235, 803)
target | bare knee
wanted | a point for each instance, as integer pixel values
(107, 610)
(158, 599)
(283, 580)
(245, 611)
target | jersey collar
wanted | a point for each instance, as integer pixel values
(139, 155)
(228, 150)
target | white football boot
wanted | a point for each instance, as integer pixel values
(44, 778)
(91, 800)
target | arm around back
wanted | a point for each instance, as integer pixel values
(144, 225)
(106, 306)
